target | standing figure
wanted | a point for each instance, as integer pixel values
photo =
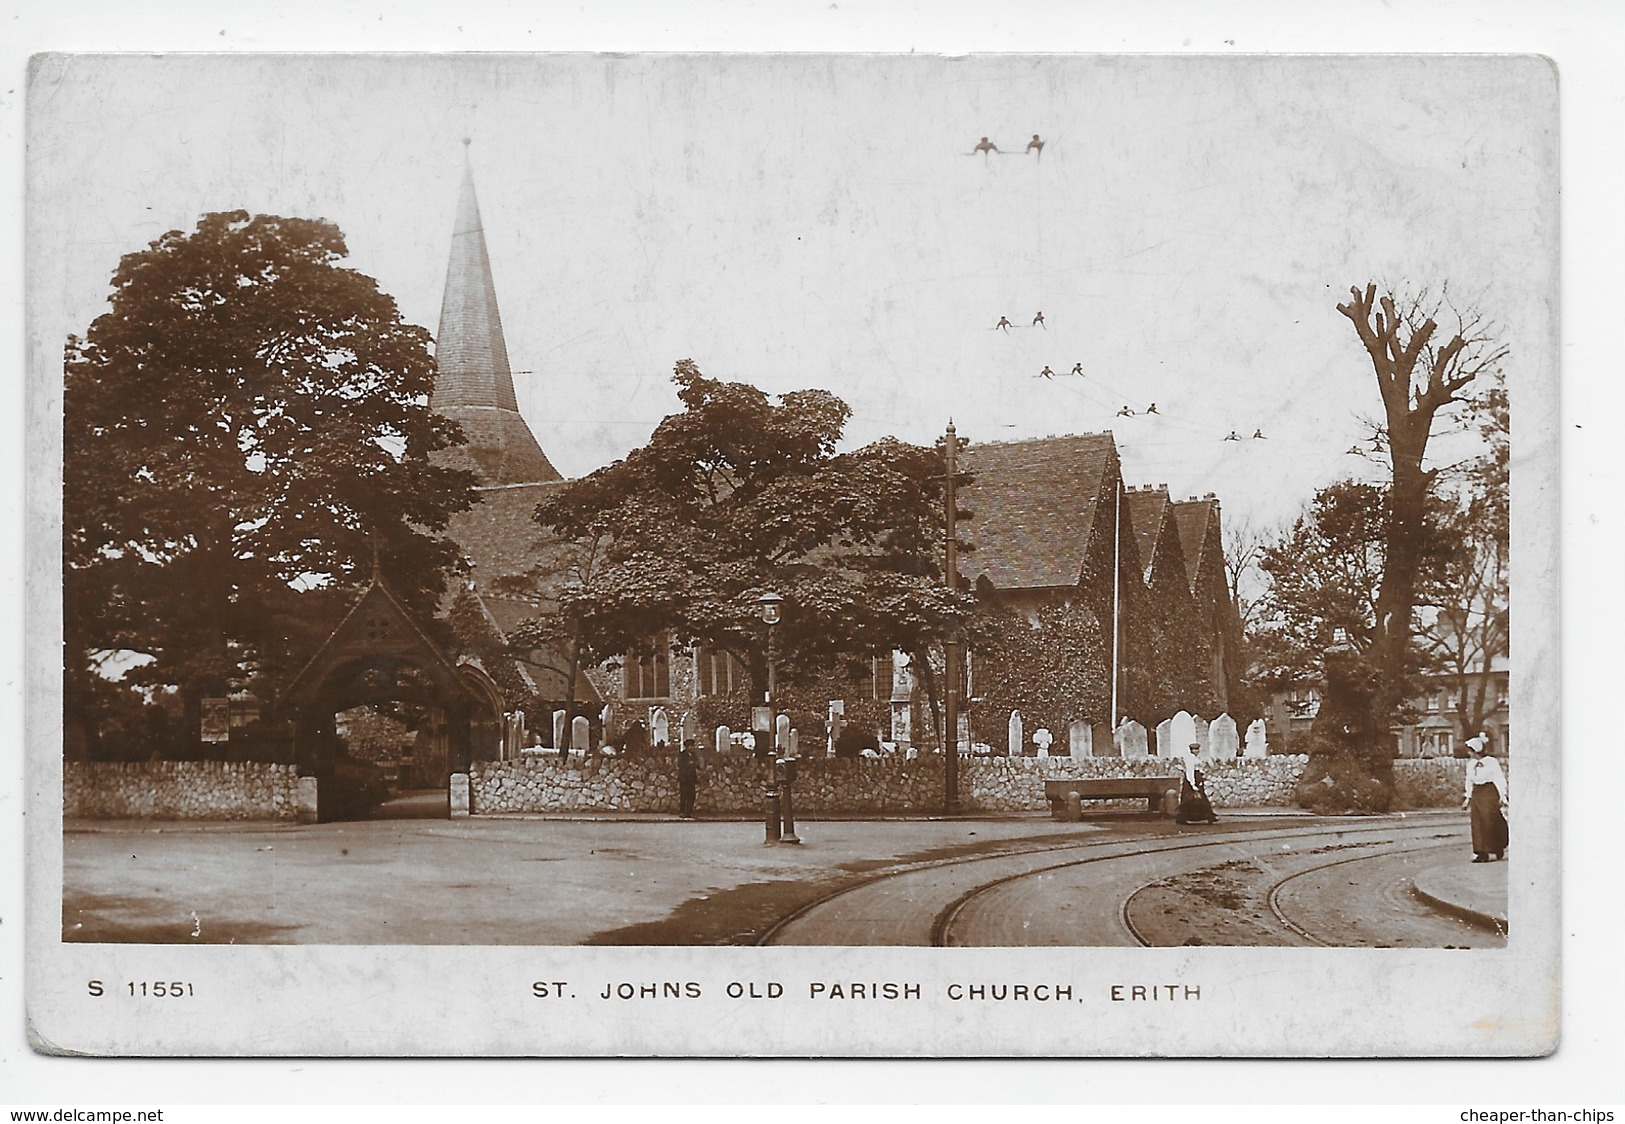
(1486, 800)
(1194, 806)
(688, 772)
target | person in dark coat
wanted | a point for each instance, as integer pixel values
(1194, 806)
(1486, 801)
(688, 774)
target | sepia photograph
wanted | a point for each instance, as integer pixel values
(1032, 543)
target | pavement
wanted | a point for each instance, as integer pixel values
(1474, 892)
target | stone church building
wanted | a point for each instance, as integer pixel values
(1050, 516)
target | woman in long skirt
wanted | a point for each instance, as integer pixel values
(1194, 806)
(1486, 800)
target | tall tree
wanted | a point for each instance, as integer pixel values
(249, 418)
(1419, 374)
(737, 495)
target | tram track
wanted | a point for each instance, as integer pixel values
(931, 898)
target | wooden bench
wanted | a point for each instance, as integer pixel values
(1153, 790)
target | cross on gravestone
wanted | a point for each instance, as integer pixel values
(1043, 739)
(1165, 738)
(723, 739)
(1078, 741)
(580, 733)
(1222, 740)
(1017, 746)
(1258, 739)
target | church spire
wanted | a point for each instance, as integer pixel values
(475, 383)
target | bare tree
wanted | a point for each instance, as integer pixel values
(1419, 374)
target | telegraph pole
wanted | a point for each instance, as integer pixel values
(950, 646)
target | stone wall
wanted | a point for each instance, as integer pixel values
(733, 784)
(1433, 782)
(180, 790)
(1253, 782)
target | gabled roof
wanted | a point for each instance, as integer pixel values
(1196, 520)
(377, 624)
(1147, 510)
(1034, 505)
(474, 383)
(498, 534)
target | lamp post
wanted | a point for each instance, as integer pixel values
(768, 607)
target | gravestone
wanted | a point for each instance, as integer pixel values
(724, 740)
(1181, 732)
(1165, 738)
(1018, 747)
(560, 718)
(580, 734)
(689, 728)
(1043, 739)
(792, 743)
(1078, 741)
(1258, 739)
(781, 732)
(1222, 741)
(1202, 739)
(459, 795)
(1131, 739)
(1100, 741)
(659, 727)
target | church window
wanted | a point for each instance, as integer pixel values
(648, 674)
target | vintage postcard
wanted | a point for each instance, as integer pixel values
(793, 555)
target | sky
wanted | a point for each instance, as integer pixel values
(1186, 231)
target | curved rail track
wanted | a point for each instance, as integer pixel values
(1108, 892)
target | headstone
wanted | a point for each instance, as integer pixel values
(306, 808)
(1182, 731)
(1258, 739)
(781, 733)
(1078, 741)
(1165, 738)
(1100, 741)
(580, 733)
(1222, 741)
(1018, 747)
(724, 740)
(660, 727)
(560, 718)
(1202, 738)
(1043, 739)
(459, 795)
(1131, 739)
(689, 728)
(792, 743)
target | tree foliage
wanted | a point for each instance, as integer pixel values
(248, 418)
(737, 495)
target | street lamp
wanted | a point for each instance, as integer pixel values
(775, 794)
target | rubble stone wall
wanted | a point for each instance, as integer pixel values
(180, 790)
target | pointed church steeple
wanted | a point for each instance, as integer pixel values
(475, 383)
